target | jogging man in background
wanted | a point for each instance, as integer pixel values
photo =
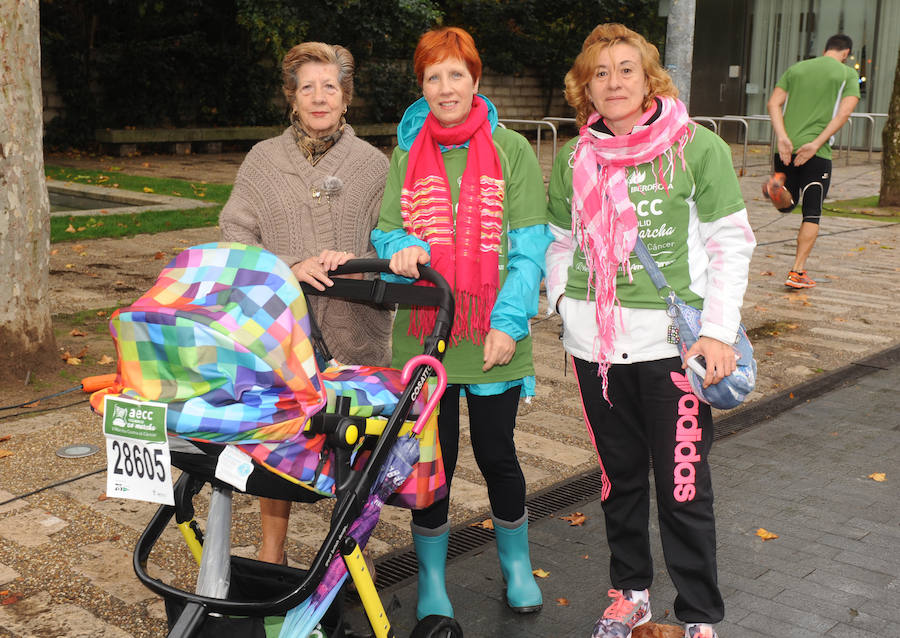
(810, 103)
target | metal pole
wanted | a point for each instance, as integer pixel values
(680, 46)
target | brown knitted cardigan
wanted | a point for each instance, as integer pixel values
(278, 203)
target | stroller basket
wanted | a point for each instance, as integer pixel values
(229, 585)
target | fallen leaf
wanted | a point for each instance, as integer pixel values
(73, 361)
(656, 630)
(75, 332)
(791, 395)
(586, 556)
(11, 599)
(765, 534)
(70, 228)
(540, 573)
(767, 273)
(101, 313)
(5, 437)
(102, 497)
(54, 251)
(105, 359)
(485, 524)
(562, 602)
(575, 519)
(878, 476)
(82, 352)
(147, 189)
(5, 453)
(159, 255)
(854, 612)
(77, 248)
(70, 266)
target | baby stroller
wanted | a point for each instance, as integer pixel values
(225, 340)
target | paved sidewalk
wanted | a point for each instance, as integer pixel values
(65, 553)
(834, 569)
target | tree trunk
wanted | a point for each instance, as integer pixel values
(890, 145)
(26, 334)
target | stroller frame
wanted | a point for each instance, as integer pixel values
(352, 487)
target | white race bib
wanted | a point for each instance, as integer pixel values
(138, 465)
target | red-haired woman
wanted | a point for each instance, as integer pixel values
(466, 197)
(641, 169)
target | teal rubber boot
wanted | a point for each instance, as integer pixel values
(431, 554)
(522, 592)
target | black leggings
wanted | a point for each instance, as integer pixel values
(655, 414)
(809, 182)
(492, 420)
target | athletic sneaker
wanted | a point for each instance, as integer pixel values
(799, 280)
(621, 616)
(699, 630)
(774, 190)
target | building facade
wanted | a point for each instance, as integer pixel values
(741, 48)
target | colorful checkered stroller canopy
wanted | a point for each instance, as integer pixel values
(222, 337)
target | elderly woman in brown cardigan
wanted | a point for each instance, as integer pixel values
(312, 196)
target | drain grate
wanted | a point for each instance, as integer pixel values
(398, 566)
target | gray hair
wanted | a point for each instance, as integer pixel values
(324, 54)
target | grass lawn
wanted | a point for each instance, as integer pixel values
(863, 208)
(63, 228)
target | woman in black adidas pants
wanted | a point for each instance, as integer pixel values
(640, 167)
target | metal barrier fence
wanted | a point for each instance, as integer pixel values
(538, 124)
(715, 122)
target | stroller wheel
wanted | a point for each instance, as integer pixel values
(437, 627)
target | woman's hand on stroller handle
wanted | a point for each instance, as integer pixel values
(406, 262)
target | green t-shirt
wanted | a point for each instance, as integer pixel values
(815, 88)
(524, 204)
(704, 190)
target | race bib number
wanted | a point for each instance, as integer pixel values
(138, 465)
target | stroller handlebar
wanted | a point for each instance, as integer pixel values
(438, 294)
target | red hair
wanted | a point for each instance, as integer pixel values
(441, 44)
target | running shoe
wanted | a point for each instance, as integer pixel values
(799, 280)
(774, 190)
(621, 616)
(699, 630)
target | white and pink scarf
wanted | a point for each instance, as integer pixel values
(604, 222)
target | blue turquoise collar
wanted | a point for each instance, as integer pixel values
(414, 119)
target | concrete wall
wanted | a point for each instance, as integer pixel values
(521, 97)
(516, 97)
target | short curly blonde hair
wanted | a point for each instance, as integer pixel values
(603, 37)
(323, 54)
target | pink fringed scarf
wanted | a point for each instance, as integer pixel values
(467, 254)
(603, 218)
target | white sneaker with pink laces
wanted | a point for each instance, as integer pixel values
(628, 610)
(699, 630)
